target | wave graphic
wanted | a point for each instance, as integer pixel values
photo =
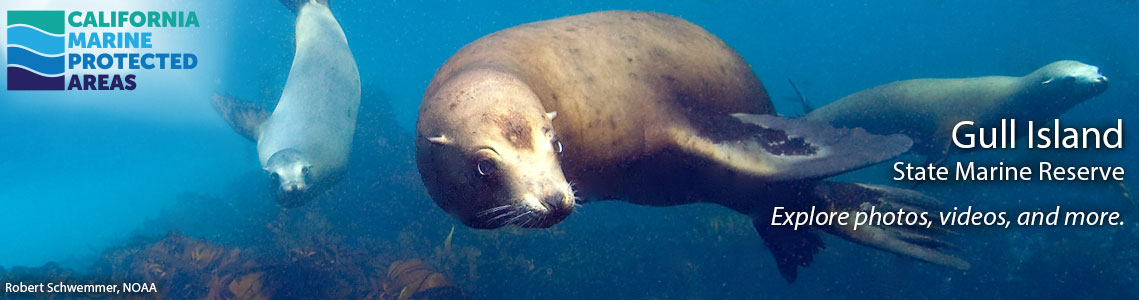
(33, 71)
(36, 28)
(50, 66)
(35, 52)
(20, 79)
(34, 39)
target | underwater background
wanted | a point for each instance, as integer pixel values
(106, 184)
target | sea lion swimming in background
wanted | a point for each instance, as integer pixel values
(645, 108)
(305, 142)
(927, 109)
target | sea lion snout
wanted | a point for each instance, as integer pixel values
(1099, 81)
(540, 191)
(1075, 77)
(1090, 76)
(290, 193)
(558, 207)
(294, 198)
(555, 201)
(289, 177)
(293, 187)
(1100, 84)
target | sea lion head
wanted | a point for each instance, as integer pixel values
(1065, 83)
(290, 177)
(488, 153)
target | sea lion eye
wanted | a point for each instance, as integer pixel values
(274, 176)
(557, 146)
(304, 170)
(485, 167)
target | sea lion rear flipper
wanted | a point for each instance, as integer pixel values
(796, 248)
(776, 148)
(243, 116)
(790, 248)
(295, 5)
(918, 242)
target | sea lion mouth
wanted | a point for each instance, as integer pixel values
(526, 217)
(291, 196)
(1100, 83)
(504, 215)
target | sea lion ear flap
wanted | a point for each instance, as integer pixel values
(439, 140)
(551, 115)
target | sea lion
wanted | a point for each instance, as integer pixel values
(927, 109)
(519, 126)
(305, 142)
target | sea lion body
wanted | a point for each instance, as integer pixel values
(631, 119)
(521, 125)
(304, 144)
(927, 109)
(317, 111)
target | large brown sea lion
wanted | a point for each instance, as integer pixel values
(927, 109)
(645, 108)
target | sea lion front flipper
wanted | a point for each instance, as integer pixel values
(776, 148)
(918, 242)
(807, 107)
(243, 116)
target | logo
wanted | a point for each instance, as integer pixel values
(91, 50)
(35, 50)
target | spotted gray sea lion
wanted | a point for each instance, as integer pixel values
(927, 109)
(304, 143)
(521, 125)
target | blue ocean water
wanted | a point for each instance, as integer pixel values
(80, 178)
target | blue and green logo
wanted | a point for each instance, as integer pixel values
(35, 50)
(90, 50)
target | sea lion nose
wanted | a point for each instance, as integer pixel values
(1101, 78)
(292, 187)
(555, 201)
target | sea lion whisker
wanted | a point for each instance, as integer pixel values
(504, 214)
(493, 210)
(496, 209)
(516, 218)
(517, 210)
